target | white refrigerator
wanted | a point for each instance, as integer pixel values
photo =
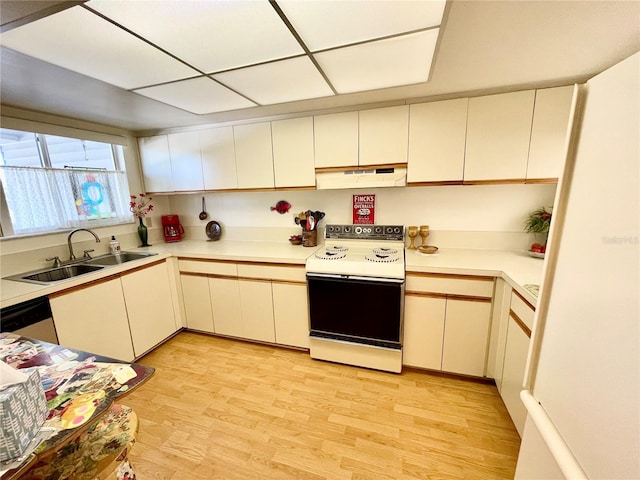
(582, 386)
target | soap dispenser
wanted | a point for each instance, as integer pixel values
(114, 245)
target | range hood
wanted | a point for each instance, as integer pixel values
(374, 178)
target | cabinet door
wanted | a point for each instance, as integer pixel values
(437, 133)
(466, 334)
(147, 293)
(225, 304)
(254, 156)
(218, 159)
(291, 314)
(186, 161)
(94, 319)
(498, 132)
(384, 135)
(257, 310)
(197, 304)
(293, 152)
(423, 331)
(156, 163)
(549, 132)
(515, 358)
(336, 140)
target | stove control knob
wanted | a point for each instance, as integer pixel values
(396, 230)
(389, 229)
(378, 229)
(367, 230)
(358, 230)
(347, 229)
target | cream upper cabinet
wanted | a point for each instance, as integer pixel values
(437, 134)
(151, 317)
(254, 155)
(218, 158)
(293, 162)
(498, 132)
(383, 135)
(549, 132)
(186, 161)
(336, 140)
(156, 163)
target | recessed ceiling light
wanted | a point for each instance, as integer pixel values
(198, 95)
(210, 35)
(277, 82)
(402, 60)
(79, 40)
(327, 24)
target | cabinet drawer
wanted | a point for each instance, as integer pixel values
(209, 267)
(287, 272)
(522, 309)
(450, 284)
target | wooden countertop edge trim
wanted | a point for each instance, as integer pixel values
(519, 295)
(448, 296)
(484, 278)
(520, 323)
(243, 262)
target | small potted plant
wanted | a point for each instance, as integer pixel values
(538, 222)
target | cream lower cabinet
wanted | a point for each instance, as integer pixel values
(147, 294)
(256, 305)
(291, 313)
(121, 318)
(447, 322)
(226, 306)
(197, 304)
(261, 302)
(94, 318)
(466, 336)
(515, 358)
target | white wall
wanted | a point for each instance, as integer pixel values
(499, 209)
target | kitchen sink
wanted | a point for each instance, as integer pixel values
(82, 267)
(122, 257)
(55, 274)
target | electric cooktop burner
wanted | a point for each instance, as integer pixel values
(381, 258)
(331, 255)
(385, 251)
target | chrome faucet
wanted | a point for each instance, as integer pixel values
(71, 255)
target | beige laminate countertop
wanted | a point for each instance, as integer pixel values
(515, 267)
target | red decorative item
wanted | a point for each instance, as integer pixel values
(171, 228)
(364, 207)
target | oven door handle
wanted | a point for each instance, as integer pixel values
(356, 277)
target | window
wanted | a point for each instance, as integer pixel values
(51, 182)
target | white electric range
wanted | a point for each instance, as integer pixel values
(356, 296)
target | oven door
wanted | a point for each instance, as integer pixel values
(356, 309)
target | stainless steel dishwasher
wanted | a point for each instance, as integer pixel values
(31, 319)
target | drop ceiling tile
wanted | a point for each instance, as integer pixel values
(209, 35)
(284, 81)
(79, 40)
(327, 24)
(403, 60)
(197, 95)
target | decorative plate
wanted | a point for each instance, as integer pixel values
(213, 230)
(535, 254)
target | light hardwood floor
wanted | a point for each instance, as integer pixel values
(224, 409)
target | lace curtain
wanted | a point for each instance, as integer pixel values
(45, 199)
